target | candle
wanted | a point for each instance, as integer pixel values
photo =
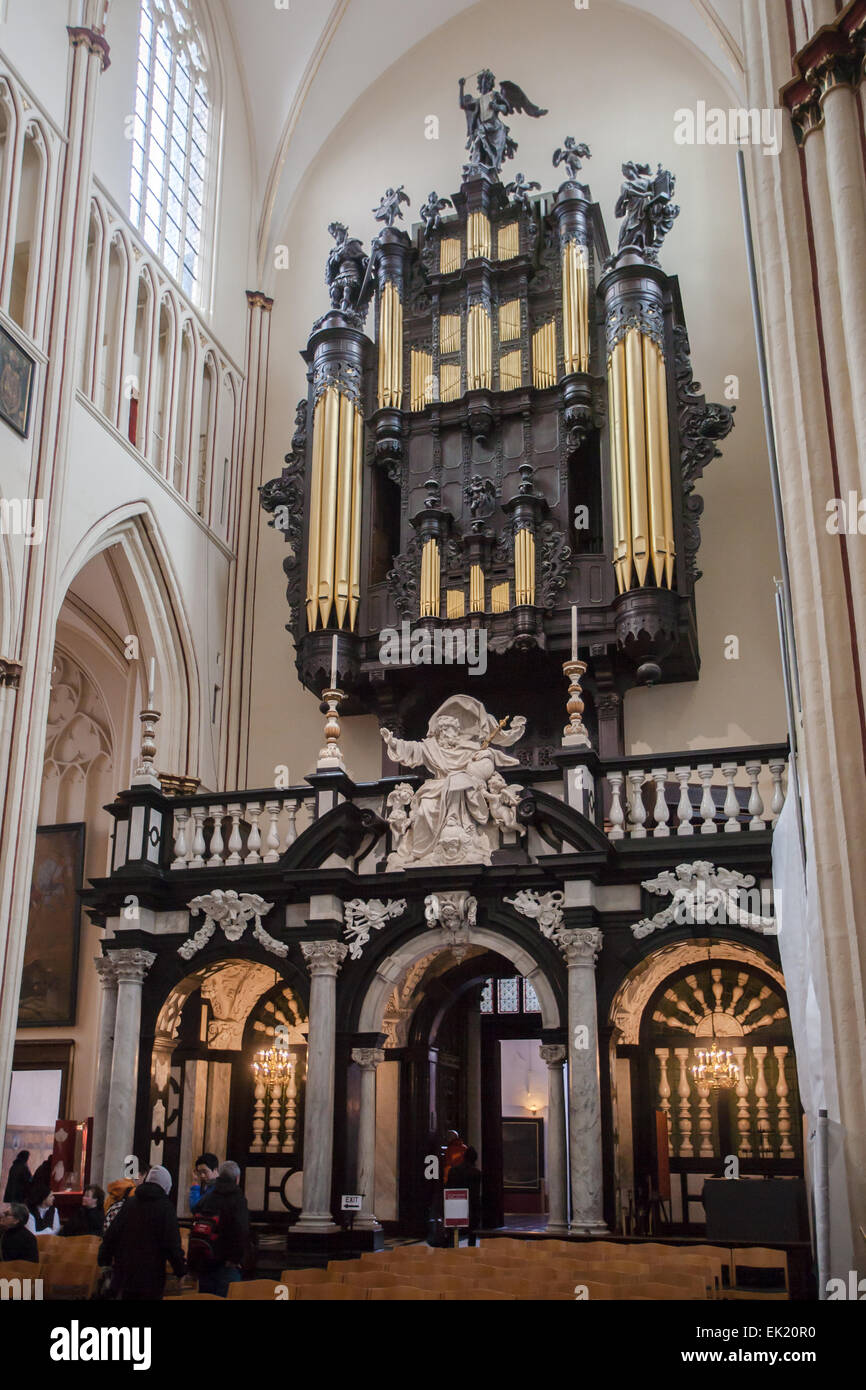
(334, 662)
(574, 632)
(151, 683)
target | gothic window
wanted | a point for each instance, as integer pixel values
(172, 135)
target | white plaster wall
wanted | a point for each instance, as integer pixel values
(34, 39)
(564, 59)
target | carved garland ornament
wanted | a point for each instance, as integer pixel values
(544, 909)
(702, 894)
(364, 917)
(232, 912)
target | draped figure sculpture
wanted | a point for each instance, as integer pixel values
(462, 749)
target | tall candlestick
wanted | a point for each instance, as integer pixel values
(151, 683)
(334, 662)
(574, 632)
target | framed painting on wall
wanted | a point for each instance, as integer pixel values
(16, 384)
(522, 1155)
(49, 981)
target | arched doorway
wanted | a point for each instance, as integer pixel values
(673, 1006)
(204, 1096)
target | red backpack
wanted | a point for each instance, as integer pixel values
(203, 1237)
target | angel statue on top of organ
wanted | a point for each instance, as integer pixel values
(462, 750)
(488, 140)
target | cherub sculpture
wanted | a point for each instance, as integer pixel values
(487, 136)
(503, 801)
(572, 156)
(431, 212)
(520, 191)
(398, 815)
(389, 208)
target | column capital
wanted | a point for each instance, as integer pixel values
(106, 969)
(131, 965)
(369, 1058)
(94, 41)
(257, 299)
(324, 957)
(553, 1054)
(581, 946)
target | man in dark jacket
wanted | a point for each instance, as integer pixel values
(89, 1218)
(142, 1238)
(225, 1201)
(19, 1179)
(467, 1174)
(16, 1242)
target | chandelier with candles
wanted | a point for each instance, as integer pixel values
(272, 1065)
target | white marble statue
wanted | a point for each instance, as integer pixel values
(462, 749)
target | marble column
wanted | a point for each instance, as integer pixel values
(557, 1194)
(581, 947)
(323, 960)
(368, 1059)
(107, 971)
(130, 966)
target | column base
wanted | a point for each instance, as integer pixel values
(367, 1223)
(557, 1228)
(587, 1228)
(314, 1223)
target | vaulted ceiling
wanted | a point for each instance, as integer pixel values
(304, 65)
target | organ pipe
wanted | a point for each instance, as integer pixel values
(390, 348)
(575, 307)
(430, 578)
(334, 554)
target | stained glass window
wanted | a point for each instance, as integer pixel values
(487, 998)
(508, 996)
(170, 139)
(530, 999)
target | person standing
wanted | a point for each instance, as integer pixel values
(19, 1179)
(467, 1174)
(220, 1233)
(16, 1242)
(142, 1238)
(207, 1168)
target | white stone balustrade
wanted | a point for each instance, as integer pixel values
(221, 834)
(729, 792)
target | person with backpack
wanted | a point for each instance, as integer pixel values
(220, 1233)
(206, 1172)
(143, 1236)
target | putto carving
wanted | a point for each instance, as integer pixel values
(431, 212)
(232, 912)
(462, 750)
(487, 136)
(544, 909)
(572, 156)
(389, 209)
(349, 286)
(520, 192)
(364, 917)
(703, 894)
(480, 497)
(646, 203)
(455, 914)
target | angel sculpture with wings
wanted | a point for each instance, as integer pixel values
(572, 156)
(488, 140)
(389, 208)
(431, 212)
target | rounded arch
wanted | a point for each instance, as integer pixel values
(392, 972)
(160, 620)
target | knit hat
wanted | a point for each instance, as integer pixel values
(162, 1178)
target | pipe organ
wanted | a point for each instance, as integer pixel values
(522, 434)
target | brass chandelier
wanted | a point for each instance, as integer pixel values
(272, 1065)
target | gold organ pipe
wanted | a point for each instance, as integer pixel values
(661, 539)
(476, 589)
(315, 512)
(509, 320)
(449, 333)
(524, 567)
(328, 515)
(544, 355)
(455, 603)
(449, 381)
(500, 601)
(478, 349)
(508, 242)
(355, 550)
(430, 578)
(510, 371)
(622, 553)
(420, 379)
(637, 461)
(575, 307)
(449, 255)
(390, 384)
(477, 236)
(665, 465)
(343, 564)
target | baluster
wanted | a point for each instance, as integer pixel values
(292, 834)
(273, 1144)
(786, 1149)
(777, 767)
(661, 814)
(254, 839)
(744, 1123)
(235, 841)
(617, 819)
(732, 805)
(181, 817)
(665, 1092)
(708, 806)
(756, 804)
(216, 839)
(636, 808)
(617, 816)
(684, 1091)
(705, 1122)
(291, 1110)
(258, 1144)
(273, 837)
(684, 806)
(199, 814)
(761, 1092)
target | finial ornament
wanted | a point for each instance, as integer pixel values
(575, 731)
(146, 773)
(331, 755)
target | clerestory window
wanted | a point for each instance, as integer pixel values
(172, 140)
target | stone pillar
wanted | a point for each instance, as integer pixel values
(130, 966)
(107, 971)
(581, 947)
(323, 959)
(368, 1059)
(557, 1217)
